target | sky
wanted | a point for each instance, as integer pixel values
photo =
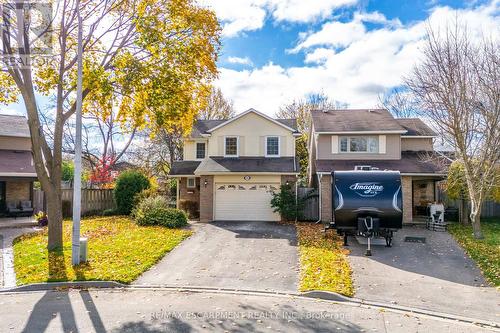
(354, 51)
(275, 51)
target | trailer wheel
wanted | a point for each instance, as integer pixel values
(345, 239)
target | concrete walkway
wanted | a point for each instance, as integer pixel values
(7, 273)
(171, 311)
(242, 255)
(436, 275)
(20, 222)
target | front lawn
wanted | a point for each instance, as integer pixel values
(485, 252)
(323, 261)
(119, 250)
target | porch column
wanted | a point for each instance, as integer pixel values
(326, 198)
(406, 184)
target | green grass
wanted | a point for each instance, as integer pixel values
(485, 252)
(119, 250)
(323, 261)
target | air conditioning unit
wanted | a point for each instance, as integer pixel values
(363, 168)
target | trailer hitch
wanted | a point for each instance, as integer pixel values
(369, 233)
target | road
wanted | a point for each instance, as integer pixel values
(161, 310)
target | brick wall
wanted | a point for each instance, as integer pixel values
(290, 179)
(189, 198)
(326, 198)
(17, 191)
(206, 198)
(406, 183)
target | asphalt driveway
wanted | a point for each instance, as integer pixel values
(241, 255)
(435, 275)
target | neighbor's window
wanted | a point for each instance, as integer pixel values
(231, 146)
(359, 144)
(200, 150)
(191, 182)
(272, 146)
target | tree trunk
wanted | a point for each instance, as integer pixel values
(475, 216)
(54, 213)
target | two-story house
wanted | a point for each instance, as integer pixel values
(231, 166)
(367, 139)
(17, 171)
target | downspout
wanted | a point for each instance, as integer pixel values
(319, 197)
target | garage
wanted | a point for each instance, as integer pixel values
(244, 202)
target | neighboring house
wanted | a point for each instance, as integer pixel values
(231, 166)
(365, 139)
(17, 171)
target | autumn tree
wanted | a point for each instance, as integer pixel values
(151, 59)
(300, 110)
(457, 87)
(218, 106)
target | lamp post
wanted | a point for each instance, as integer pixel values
(77, 183)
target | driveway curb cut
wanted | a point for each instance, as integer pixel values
(314, 294)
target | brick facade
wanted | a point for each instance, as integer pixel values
(206, 198)
(406, 184)
(290, 179)
(16, 191)
(189, 198)
(326, 198)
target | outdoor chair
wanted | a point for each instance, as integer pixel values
(435, 220)
(26, 208)
(12, 209)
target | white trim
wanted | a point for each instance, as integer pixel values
(279, 146)
(17, 174)
(180, 176)
(187, 182)
(237, 145)
(364, 132)
(247, 112)
(359, 152)
(418, 136)
(382, 144)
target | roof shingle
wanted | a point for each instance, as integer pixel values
(16, 126)
(415, 127)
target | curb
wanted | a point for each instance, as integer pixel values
(64, 285)
(313, 294)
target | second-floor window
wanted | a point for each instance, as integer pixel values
(200, 150)
(359, 144)
(272, 146)
(231, 146)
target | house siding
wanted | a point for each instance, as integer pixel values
(406, 184)
(416, 144)
(17, 191)
(392, 151)
(206, 198)
(326, 198)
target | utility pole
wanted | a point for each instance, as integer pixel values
(77, 183)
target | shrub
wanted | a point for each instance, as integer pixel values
(147, 193)
(154, 211)
(285, 203)
(128, 184)
(191, 208)
(110, 212)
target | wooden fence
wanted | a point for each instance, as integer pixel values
(488, 209)
(93, 201)
(311, 205)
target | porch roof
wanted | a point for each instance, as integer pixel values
(414, 163)
(278, 165)
(183, 168)
(16, 164)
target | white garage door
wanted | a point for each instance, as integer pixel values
(244, 202)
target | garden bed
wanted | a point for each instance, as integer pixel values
(323, 261)
(119, 250)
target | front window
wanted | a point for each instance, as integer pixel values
(272, 146)
(200, 150)
(231, 146)
(191, 182)
(359, 144)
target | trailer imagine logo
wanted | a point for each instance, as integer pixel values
(367, 189)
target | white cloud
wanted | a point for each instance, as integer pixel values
(369, 62)
(249, 15)
(240, 61)
(306, 11)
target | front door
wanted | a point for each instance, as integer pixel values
(2, 197)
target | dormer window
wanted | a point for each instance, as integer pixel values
(200, 150)
(231, 146)
(272, 146)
